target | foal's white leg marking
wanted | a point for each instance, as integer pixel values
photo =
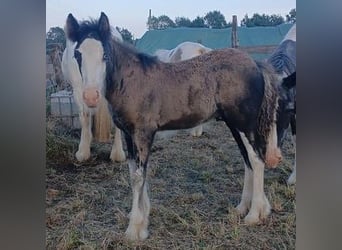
(138, 222)
(117, 153)
(292, 178)
(247, 192)
(273, 153)
(197, 131)
(83, 152)
(260, 207)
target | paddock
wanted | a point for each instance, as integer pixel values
(201, 222)
(195, 183)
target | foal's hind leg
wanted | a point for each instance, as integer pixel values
(117, 153)
(83, 152)
(197, 131)
(138, 223)
(260, 207)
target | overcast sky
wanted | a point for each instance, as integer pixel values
(133, 15)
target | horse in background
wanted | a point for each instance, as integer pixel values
(283, 60)
(147, 95)
(102, 119)
(181, 52)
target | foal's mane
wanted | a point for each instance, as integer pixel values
(146, 61)
(117, 53)
(90, 28)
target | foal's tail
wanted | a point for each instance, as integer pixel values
(266, 127)
(102, 122)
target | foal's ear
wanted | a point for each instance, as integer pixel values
(290, 81)
(104, 26)
(72, 28)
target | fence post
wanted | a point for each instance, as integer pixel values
(149, 19)
(234, 37)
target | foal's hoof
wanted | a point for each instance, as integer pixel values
(251, 219)
(134, 234)
(241, 209)
(197, 131)
(118, 156)
(82, 156)
(259, 211)
(292, 179)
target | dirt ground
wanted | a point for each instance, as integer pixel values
(194, 185)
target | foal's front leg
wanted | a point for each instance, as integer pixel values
(83, 152)
(247, 192)
(138, 222)
(117, 153)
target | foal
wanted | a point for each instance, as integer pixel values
(146, 95)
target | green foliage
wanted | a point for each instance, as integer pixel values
(262, 20)
(161, 22)
(126, 35)
(55, 35)
(215, 19)
(291, 17)
(198, 22)
(182, 22)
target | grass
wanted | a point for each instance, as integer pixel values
(194, 185)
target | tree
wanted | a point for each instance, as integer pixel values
(262, 20)
(291, 17)
(215, 19)
(198, 22)
(182, 22)
(126, 35)
(275, 20)
(161, 22)
(165, 22)
(55, 35)
(153, 23)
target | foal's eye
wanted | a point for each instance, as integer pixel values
(105, 57)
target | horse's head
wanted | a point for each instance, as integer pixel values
(86, 56)
(287, 105)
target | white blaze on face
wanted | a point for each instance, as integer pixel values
(93, 67)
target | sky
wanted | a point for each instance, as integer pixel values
(132, 15)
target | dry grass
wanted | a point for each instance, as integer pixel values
(194, 183)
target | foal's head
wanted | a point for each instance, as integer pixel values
(89, 43)
(287, 105)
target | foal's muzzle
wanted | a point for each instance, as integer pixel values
(91, 97)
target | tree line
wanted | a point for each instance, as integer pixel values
(216, 20)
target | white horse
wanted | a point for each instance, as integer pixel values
(101, 113)
(183, 51)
